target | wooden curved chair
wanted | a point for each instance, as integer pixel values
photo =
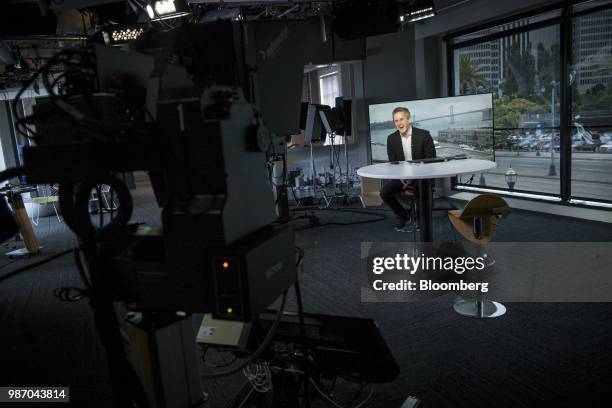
(477, 223)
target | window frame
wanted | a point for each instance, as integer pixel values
(564, 20)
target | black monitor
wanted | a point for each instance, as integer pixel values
(458, 125)
(303, 114)
(345, 110)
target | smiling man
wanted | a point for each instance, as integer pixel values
(406, 143)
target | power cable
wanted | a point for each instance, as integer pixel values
(379, 217)
(262, 347)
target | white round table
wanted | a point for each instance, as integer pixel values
(410, 171)
(424, 173)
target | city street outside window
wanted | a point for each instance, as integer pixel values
(523, 72)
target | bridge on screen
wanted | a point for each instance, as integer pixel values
(486, 115)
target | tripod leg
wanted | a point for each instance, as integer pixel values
(347, 169)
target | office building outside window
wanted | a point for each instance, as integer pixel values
(520, 70)
(591, 110)
(520, 64)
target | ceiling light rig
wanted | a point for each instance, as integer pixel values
(419, 10)
(167, 9)
(126, 34)
(117, 36)
(212, 10)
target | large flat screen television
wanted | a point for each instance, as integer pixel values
(457, 124)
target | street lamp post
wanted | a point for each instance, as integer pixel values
(482, 181)
(551, 170)
(511, 177)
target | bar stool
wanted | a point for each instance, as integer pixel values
(477, 223)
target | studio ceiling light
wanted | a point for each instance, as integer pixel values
(166, 9)
(419, 10)
(116, 36)
(125, 34)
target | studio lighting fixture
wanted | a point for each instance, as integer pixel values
(419, 10)
(166, 9)
(121, 36)
(117, 35)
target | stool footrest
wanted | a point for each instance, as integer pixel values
(479, 308)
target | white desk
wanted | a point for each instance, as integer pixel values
(424, 173)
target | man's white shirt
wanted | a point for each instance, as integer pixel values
(407, 144)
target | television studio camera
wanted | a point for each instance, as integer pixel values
(182, 108)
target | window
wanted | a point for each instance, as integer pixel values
(533, 133)
(330, 88)
(522, 79)
(591, 110)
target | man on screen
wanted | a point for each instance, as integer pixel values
(406, 143)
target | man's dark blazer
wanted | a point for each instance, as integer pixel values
(422, 145)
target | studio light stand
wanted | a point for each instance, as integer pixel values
(279, 177)
(345, 192)
(313, 131)
(348, 196)
(314, 180)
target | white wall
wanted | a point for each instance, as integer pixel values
(390, 70)
(7, 96)
(387, 74)
(5, 135)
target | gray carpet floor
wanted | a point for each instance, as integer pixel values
(537, 355)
